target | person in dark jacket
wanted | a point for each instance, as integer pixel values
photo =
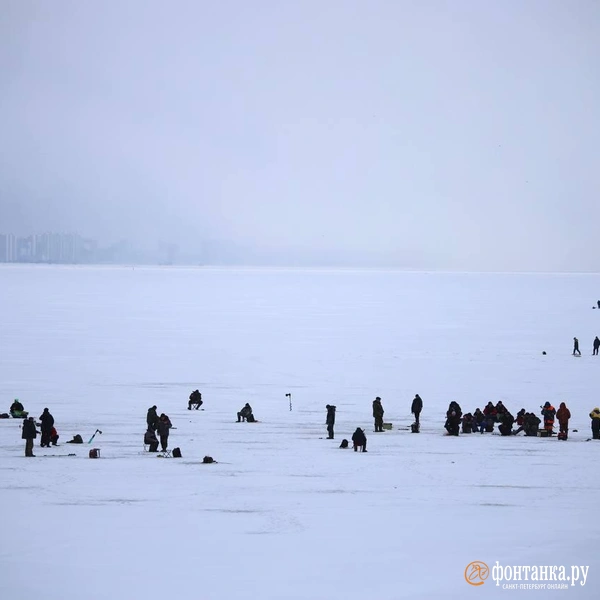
(467, 423)
(378, 414)
(29, 434)
(47, 421)
(563, 414)
(330, 420)
(576, 347)
(195, 400)
(453, 418)
(150, 439)
(17, 411)
(152, 418)
(490, 414)
(595, 417)
(596, 346)
(416, 407)
(478, 420)
(531, 424)
(164, 424)
(246, 414)
(506, 422)
(359, 440)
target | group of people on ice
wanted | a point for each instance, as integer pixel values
(484, 420)
(29, 432)
(161, 425)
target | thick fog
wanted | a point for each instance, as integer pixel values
(419, 134)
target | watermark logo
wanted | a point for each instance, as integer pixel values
(513, 577)
(476, 572)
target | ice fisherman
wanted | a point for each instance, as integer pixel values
(378, 414)
(246, 414)
(576, 347)
(416, 407)
(359, 440)
(596, 346)
(29, 434)
(47, 421)
(330, 420)
(164, 424)
(152, 418)
(195, 400)
(17, 411)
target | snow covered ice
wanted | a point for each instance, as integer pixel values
(285, 513)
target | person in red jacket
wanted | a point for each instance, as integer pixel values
(563, 414)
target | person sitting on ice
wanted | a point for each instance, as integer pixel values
(478, 419)
(17, 411)
(467, 423)
(506, 422)
(531, 424)
(195, 400)
(359, 440)
(54, 436)
(151, 440)
(246, 414)
(490, 413)
(500, 410)
(520, 418)
(520, 421)
(453, 417)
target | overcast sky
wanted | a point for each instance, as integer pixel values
(427, 134)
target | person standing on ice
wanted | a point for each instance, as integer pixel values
(595, 417)
(416, 407)
(576, 347)
(548, 412)
(596, 346)
(563, 414)
(378, 414)
(164, 424)
(152, 418)
(29, 434)
(330, 420)
(47, 421)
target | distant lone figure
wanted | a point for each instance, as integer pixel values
(596, 346)
(330, 420)
(576, 347)
(378, 414)
(359, 440)
(598, 303)
(416, 407)
(195, 400)
(246, 414)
